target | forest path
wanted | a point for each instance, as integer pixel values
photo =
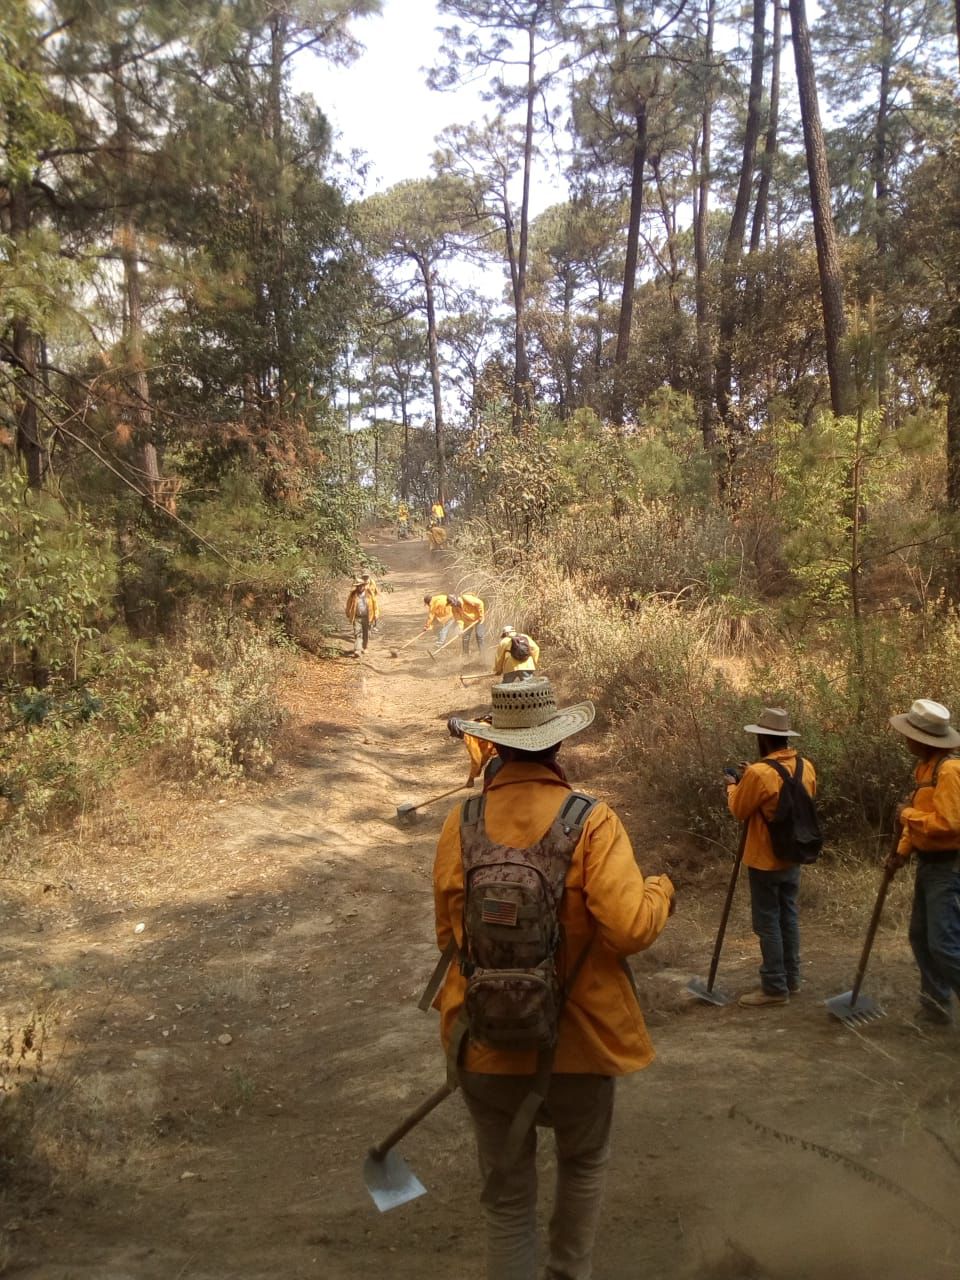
(235, 1058)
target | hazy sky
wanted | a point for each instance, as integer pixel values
(380, 104)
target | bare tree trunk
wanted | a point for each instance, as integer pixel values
(522, 392)
(771, 140)
(700, 228)
(630, 263)
(434, 361)
(828, 257)
(26, 345)
(729, 297)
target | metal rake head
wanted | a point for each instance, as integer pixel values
(854, 1012)
(697, 987)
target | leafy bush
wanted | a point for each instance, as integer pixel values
(215, 702)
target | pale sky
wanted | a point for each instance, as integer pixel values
(381, 105)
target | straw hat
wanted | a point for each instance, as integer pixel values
(773, 722)
(526, 716)
(928, 722)
(508, 631)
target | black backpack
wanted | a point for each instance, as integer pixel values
(520, 648)
(795, 833)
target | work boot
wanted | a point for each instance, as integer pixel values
(934, 1013)
(793, 985)
(757, 999)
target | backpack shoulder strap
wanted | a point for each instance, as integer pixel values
(785, 774)
(471, 815)
(932, 780)
(574, 812)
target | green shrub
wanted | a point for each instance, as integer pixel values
(215, 702)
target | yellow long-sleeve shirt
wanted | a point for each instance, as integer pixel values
(754, 800)
(504, 661)
(607, 904)
(480, 752)
(470, 611)
(373, 604)
(931, 822)
(439, 611)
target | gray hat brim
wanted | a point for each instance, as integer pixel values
(567, 722)
(945, 741)
(770, 733)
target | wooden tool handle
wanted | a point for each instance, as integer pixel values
(728, 903)
(404, 1127)
(888, 874)
(442, 796)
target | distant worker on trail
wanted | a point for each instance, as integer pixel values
(363, 610)
(403, 520)
(440, 617)
(753, 798)
(436, 511)
(515, 652)
(483, 755)
(469, 611)
(538, 901)
(930, 826)
(437, 537)
(374, 591)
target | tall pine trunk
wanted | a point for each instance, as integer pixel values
(700, 229)
(771, 139)
(729, 294)
(25, 345)
(639, 158)
(842, 398)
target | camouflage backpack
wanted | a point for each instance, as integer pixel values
(511, 930)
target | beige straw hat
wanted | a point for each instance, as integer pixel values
(526, 716)
(773, 722)
(928, 722)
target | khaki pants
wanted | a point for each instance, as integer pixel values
(579, 1108)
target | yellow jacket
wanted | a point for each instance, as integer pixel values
(754, 800)
(481, 753)
(439, 611)
(607, 904)
(471, 610)
(504, 661)
(931, 821)
(373, 604)
(437, 511)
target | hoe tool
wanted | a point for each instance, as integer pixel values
(696, 986)
(395, 653)
(403, 810)
(850, 1006)
(387, 1175)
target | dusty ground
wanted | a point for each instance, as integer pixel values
(220, 1072)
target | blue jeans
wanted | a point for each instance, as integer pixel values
(477, 631)
(444, 631)
(935, 930)
(773, 904)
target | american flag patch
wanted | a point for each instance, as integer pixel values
(497, 911)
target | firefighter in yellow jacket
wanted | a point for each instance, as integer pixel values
(930, 834)
(469, 612)
(437, 537)
(363, 610)
(440, 617)
(515, 652)
(774, 885)
(607, 911)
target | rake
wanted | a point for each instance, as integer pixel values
(850, 1006)
(696, 986)
(394, 653)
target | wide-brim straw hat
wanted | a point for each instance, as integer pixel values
(526, 716)
(928, 722)
(773, 722)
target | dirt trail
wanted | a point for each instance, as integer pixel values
(234, 1059)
